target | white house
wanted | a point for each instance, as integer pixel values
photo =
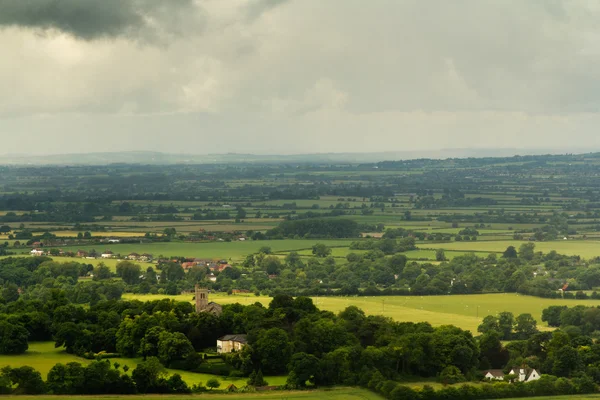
(114, 241)
(37, 252)
(230, 343)
(494, 374)
(107, 254)
(525, 374)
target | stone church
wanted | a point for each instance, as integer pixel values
(203, 305)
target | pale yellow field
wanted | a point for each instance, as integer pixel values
(464, 311)
(584, 248)
(111, 263)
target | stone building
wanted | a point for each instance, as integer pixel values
(202, 303)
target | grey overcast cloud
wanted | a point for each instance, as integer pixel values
(298, 76)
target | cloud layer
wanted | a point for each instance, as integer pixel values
(300, 75)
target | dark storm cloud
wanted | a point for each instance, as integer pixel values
(93, 19)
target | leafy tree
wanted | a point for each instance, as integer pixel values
(241, 213)
(440, 255)
(551, 315)
(10, 292)
(175, 384)
(489, 324)
(321, 250)
(66, 379)
(170, 232)
(265, 250)
(272, 350)
(506, 321)
(510, 252)
(129, 272)
(293, 260)
(272, 265)
(491, 351)
(13, 338)
(451, 375)
(302, 369)
(525, 326)
(566, 361)
(149, 375)
(101, 272)
(526, 251)
(173, 347)
(256, 379)
(249, 261)
(213, 383)
(25, 380)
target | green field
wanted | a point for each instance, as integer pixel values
(226, 250)
(333, 394)
(464, 311)
(570, 397)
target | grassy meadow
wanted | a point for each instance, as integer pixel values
(43, 356)
(329, 394)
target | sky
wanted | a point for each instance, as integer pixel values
(298, 76)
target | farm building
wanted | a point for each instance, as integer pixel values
(37, 252)
(230, 343)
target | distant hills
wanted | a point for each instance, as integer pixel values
(157, 158)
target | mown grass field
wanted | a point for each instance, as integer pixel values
(464, 311)
(116, 234)
(329, 394)
(226, 250)
(43, 356)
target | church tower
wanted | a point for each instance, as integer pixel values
(201, 298)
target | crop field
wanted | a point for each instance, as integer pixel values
(464, 311)
(324, 394)
(585, 248)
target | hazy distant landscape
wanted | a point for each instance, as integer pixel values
(157, 158)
